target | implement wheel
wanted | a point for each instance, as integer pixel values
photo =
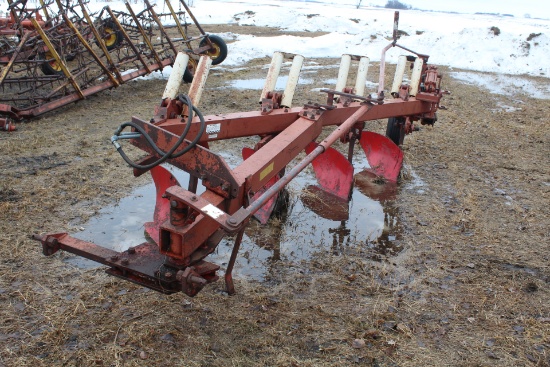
(218, 52)
(111, 35)
(395, 130)
(190, 71)
(50, 66)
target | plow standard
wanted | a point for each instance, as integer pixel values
(188, 226)
(50, 60)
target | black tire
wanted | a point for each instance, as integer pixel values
(110, 35)
(219, 52)
(49, 67)
(190, 71)
(395, 130)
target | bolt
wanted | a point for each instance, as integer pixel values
(173, 203)
(226, 186)
(168, 274)
(124, 261)
(194, 198)
(232, 221)
(304, 113)
(114, 258)
(132, 250)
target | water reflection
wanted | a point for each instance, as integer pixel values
(306, 222)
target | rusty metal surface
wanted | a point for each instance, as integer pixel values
(210, 167)
(143, 264)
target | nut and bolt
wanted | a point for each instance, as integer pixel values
(173, 203)
(132, 250)
(194, 198)
(124, 261)
(232, 221)
(114, 258)
(168, 274)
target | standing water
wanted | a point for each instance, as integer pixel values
(307, 225)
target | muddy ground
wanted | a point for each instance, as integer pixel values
(470, 286)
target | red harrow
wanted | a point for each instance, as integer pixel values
(189, 226)
(49, 60)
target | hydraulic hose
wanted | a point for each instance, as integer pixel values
(163, 155)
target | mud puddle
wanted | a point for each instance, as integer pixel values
(308, 223)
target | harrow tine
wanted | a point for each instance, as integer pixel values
(163, 179)
(333, 172)
(264, 213)
(384, 157)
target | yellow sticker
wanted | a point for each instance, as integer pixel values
(266, 171)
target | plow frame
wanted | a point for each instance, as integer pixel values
(189, 226)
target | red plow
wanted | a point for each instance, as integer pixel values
(188, 226)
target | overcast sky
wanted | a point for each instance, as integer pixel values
(535, 8)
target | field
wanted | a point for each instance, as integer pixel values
(469, 285)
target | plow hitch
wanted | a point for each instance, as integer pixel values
(188, 223)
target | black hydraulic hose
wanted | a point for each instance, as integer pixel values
(164, 155)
